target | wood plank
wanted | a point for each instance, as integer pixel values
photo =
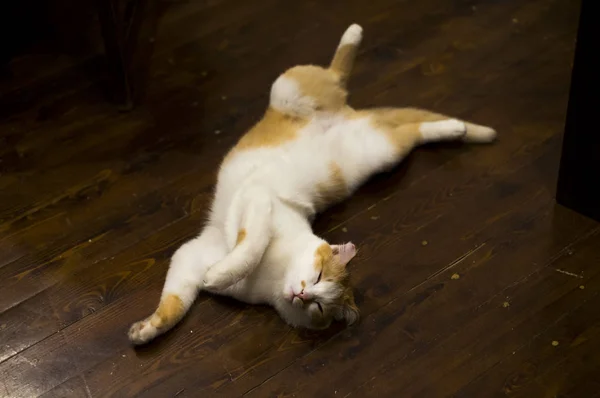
(85, 238)
(536, 365)
(496, 331)
(124, 281)
(74, 387)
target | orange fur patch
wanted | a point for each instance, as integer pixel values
(395, 117)
(326, 262)
(323, 254)
(334, 271)
(277, 128)
(401, 125)
(240, 236)
(343, 60)
(332, 190)
(322, 85)
(169, 311)
(274, 129)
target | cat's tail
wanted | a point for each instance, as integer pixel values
(254, 206)
(344, 56)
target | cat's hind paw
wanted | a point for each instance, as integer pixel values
(441, 130)
(142, 332)
(452, 128)
(352, 35)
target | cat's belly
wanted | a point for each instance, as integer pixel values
(296, 166)
(286, 173)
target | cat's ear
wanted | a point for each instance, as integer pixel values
(348, 312)
(345, 252)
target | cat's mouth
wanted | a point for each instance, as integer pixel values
(297, 302)
(296, 299)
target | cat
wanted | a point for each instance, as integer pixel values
(309, 151)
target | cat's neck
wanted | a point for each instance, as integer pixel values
(293, 234)
(291, 219)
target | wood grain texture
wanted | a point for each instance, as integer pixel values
(93, 203)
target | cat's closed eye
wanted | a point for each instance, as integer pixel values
(319, 278)
(320, 307)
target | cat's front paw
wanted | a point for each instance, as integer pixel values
(216, 281)
(142, 332)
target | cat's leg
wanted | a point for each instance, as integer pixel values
(253, 237)
(406, 136)
(378, 139)
(343, 59)
(394, 117)
(188, 266)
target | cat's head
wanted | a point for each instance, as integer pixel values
(317, 289)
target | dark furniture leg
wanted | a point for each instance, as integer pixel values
(579, 174)
(128, 28)
(112, 25)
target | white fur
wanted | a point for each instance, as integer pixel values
(287, 98)
(352, 35)
(479, 134)
(444, 129)
(244, 257)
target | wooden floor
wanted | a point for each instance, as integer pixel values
(471, 281)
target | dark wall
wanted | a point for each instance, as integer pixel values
(46, 27)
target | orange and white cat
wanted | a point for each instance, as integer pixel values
(308, 151)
